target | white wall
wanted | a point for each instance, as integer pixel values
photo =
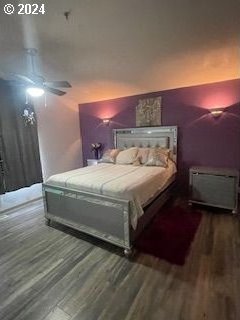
(59, 135)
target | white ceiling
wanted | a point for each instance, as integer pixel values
(109, 48)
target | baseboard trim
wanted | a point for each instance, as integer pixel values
(20, 205)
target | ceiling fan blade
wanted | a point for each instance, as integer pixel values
(54, 91)
(58, 84)
(16, 83)
(21, 77)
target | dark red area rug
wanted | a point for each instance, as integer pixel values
(170, 234)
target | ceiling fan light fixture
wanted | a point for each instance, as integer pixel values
(35, 91)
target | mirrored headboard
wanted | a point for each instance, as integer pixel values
(144, 137)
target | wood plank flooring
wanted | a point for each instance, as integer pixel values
(59, 274)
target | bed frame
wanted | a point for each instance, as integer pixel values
(105, 217)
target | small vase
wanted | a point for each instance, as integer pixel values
(96, 154)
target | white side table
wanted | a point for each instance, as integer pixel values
(92, 162)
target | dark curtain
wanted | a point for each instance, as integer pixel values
(2, 184)
(19, 147)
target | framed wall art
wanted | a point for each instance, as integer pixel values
(148, 112)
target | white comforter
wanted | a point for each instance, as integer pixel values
(137, 184)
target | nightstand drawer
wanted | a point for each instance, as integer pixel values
(215, 190)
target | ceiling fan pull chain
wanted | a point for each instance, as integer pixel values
(26, 96)
(31, 53)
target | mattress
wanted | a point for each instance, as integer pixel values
(138, 184)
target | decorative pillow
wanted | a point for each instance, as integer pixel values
(143, 155)
(110, 155)
(137, 162)
(127, 156)
(158, 157)
(165, 151)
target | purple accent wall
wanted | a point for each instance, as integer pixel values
(203, 140)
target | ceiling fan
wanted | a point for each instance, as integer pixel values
(35, 84)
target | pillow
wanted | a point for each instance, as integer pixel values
(110, 155)
(158, 157)
(127, 156)
(165, 151)
(143, 155)
(137, 162)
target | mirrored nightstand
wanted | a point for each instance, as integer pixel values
(214, 187)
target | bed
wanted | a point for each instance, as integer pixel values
(114, 202)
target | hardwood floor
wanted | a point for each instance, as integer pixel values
(49, 274)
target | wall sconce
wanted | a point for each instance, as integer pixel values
(106, 122)
(216, 112)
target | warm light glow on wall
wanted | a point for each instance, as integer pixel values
(108, 112)
(202, 66)
(218, 100)
(101, 90)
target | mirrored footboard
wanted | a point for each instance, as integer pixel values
(102, 217)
